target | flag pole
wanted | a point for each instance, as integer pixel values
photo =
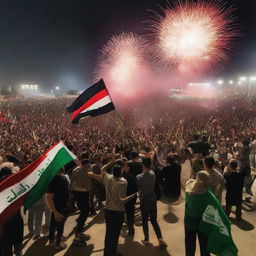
(118, 115)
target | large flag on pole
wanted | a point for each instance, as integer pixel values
(94, 101)
(28, 186)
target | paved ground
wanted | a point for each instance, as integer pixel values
(170, 216)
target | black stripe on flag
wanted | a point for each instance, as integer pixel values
(96, 112)
(86, 95)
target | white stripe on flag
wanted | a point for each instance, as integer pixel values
(100, 103)
(14, 192)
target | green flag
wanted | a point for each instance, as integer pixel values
(216, 225)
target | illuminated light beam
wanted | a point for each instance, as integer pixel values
(194, 34)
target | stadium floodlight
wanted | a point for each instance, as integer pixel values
(27, 86)
(253, 78)
(199, 84)
(57, 88)
(220, 81)
(231, 82)
(22, 86)
(36, 87)
(243, 78)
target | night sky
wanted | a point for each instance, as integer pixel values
(51, 42)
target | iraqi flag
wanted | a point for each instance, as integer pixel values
(92, 102)
(30, 184)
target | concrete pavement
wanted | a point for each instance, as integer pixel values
(170, 217)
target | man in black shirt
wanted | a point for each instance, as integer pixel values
(58, 201)
(134, 164)
(131, 189)
(205, 146)
(234, 184)
(171, 176)
(197, 145)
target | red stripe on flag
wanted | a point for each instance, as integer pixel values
(98, 96)
(17, 177)
(12, 209)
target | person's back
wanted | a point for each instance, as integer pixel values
(148, 205)
(216, 181)
(205, 146)
(146, 185)
(80, 179)
(58, 201)
(244, 153)
(116, 188)
(197, 145)
(134, 165)
(197, 165)
(171, 173)
(234, 185)
(135, 168)
(59, 186)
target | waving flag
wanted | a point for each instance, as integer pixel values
(28, 186)
(92, 102)
(215, 224)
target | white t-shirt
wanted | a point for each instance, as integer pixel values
(116, 188)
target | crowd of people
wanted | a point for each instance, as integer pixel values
(180, 148)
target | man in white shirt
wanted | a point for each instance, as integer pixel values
(216, 181)
(116, 189)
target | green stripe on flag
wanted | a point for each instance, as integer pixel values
(62, 158)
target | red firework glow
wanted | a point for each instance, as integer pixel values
(122, 64)
(194, 36)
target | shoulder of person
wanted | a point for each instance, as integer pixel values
(55, 179)
(151, 172)
(226, 174)
(107, 176)
(123, 180)
(76, 169)
(139, 176)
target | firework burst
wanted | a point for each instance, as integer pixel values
(121, 60)
(194, 35)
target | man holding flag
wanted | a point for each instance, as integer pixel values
(205, 219)
(58, 199)
(29, 185)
